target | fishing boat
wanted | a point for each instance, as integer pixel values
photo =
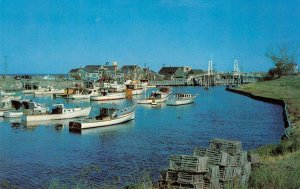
(57, 112)
(159, 96)
(68, 92)
(134, 89)
(106, 117)
(181, 99)
(17, 109)
(85, 94)
(5, 105)
(50, 90)
(107, 94)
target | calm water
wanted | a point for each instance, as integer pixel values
(33, 156)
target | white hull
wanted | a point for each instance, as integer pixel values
(103, 123)
(32, 91)
(110, 96)
(79, 96)
(78, 112)
(11, 114)
(45, 92)
(177, 102)
(149, 101)
(137, 91)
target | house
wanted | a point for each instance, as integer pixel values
(112, 72)
(175, 73)
(195, 76)
(74, 73)
(132, 72)
(168, 72)
(151, 75)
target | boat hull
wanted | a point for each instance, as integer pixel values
(48, 92)
(43, 117)
(11, 114)
(101, 123)
(78, 97)
(178, 102)
(108, 97)
(149, 101)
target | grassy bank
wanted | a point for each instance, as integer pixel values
(280, 162)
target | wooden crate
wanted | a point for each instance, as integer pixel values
(233, 161)
(246, 169)
(190, 178)
(212, 184)
(218, 157)
(237, 172)
(242, 159)
(226, 173)
(194, 164)
(213, 173)
(244, 181)
(200, 151)
(231, 147)
(171, 176)
(175, 162)
(187, 186)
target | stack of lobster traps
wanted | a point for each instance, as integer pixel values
(223, 165)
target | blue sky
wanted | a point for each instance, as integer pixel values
(53, 36)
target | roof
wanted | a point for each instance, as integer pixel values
(168, 70)
(74, 70)
(196, 71)
(93, 67)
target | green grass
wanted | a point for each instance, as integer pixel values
(280, 166)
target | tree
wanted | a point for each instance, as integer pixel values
(284, 59)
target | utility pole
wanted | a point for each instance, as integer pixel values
(5, 65)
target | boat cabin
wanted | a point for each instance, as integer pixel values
(107, 113)
(58, 109)
(155, 95)
(31, 107)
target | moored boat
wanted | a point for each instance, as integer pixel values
(107, 94)
(57, 112)
(16, 110)
(158, 96)
(106, 117)
(86, 94)
(181, 99)
(49, 90)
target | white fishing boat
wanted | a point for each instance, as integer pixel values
(5, 105)
(181, 99)
(57, 112)
(106, 117)
(134, 89)
(107, 94)
(158, 96)
(13, 113)
(48, 91)
(85, 94)
(17, 109)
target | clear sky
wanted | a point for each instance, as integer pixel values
(53, 36)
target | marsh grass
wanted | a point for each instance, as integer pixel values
(280, 163)
(140, 179)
